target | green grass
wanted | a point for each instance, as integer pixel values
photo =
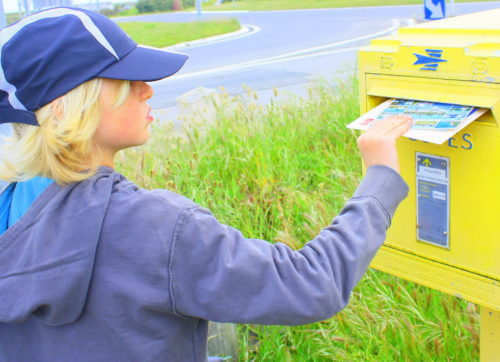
(166, 34)
(129, 12)
(281, 172)
(310, 4)
(11, 17)
(388, 319)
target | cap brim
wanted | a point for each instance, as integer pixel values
(146, 64)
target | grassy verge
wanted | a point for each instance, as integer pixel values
(310, 4)
(281, 173)
(166, 34)
(11, 17)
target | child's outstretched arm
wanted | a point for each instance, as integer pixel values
(218, 274)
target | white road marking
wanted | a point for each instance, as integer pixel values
(239, 66)
(245, 30)
(290, 56)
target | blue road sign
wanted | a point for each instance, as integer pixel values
(434, 9)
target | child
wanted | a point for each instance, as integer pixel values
(93, 268)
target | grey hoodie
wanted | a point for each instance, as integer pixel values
(105, 271)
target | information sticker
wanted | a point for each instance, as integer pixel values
(433, 202)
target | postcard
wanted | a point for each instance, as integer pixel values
(433, 122)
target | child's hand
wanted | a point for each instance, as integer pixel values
(378, 144)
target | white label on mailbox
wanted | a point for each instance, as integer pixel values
(433, 205)
(439, 195)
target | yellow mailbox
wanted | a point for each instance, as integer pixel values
(446, 234)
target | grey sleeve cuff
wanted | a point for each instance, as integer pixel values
(385, 185)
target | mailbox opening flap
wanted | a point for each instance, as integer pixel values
(380, 87)
(490, 103)
(477, 94)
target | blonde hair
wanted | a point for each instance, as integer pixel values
(62, 147)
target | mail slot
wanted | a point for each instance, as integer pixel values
(446, 234)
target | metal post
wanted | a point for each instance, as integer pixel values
(223, 340)
(198, 8)
(3, 20)
(451, 11)
(26, 8)
(489, 346)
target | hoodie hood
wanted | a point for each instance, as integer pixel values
(47, 257)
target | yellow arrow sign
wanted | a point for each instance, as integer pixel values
(427, 162)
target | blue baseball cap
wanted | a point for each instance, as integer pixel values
(45, 55)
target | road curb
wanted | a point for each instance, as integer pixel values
(243, 31)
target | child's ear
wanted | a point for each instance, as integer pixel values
(57, 108)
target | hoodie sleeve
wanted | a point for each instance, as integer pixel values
(219, 275)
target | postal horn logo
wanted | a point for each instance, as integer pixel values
(431, 60)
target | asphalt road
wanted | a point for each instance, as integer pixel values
(289, 48)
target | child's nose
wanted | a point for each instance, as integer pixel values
(146, 91)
